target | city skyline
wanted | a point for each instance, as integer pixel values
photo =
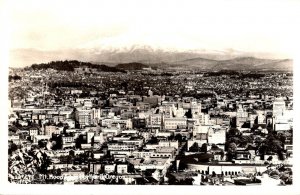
(88, 124)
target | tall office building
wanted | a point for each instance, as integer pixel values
(278, 107)
(241, 116)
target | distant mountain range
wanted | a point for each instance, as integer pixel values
(140, 57)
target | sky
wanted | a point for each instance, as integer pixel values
(251, 26)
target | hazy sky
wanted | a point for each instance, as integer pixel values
(259, 26)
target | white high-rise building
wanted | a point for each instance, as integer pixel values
(241, 116)
(282, 118)
(195, 107)
(278, 107)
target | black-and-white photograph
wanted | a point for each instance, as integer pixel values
(150, 93)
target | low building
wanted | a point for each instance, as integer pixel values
(122, 168)
(110, 168)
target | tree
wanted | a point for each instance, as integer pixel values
(270, 158)
(15, 77)
(258, 140)
(59, 142)
(13, 147)
(72, 153)
(69, 159)
(273, 144)
(282, 138)
(189, 114)
(204, 148)
(231, 151)
(187, 181)
(232, 147)
(233, 132)
(214, 147)
(276, 146)
(214, 174)
(58, 172)
(178, 137)
(171, 137)
(194, 147)
(46, 161)
(42, 143)
(131, 168)
(222, 154)
(246, 139)
(235, 140)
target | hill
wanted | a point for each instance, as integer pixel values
(281, 65)
(201, 63)
(70, 65)
(239, 63)
(136, 58)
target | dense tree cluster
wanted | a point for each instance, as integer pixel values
(15, 77)
(272, 144)
(132, 66)
(70, 65)
(220, 73)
